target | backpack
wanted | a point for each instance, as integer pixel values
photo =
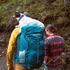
(30, 47)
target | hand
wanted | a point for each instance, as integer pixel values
(11, 68)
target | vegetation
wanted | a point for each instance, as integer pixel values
(56, 12)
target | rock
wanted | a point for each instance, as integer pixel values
(2, 38)
(2, 52)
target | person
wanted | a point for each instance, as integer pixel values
(24, 19)
(54, 47)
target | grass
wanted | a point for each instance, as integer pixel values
(39, 9)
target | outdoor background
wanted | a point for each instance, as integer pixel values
(55, 12)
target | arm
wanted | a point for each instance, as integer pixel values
(46, 50)
(11, 47)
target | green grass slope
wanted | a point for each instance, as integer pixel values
(47, 11)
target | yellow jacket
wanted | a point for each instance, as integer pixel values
(12, 46)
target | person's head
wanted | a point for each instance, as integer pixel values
(50, 28)
(16, 14)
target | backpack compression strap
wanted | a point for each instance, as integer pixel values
(20, 17)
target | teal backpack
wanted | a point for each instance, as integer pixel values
(30, 47)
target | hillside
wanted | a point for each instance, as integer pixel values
(55, 12)
(47, 11)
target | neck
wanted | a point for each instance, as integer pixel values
(51, 34)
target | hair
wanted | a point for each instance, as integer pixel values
(17, 14)
(27, 14)
(51, 28)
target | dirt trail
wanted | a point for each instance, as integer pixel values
(3, 50)
(3, 47)
(3, 62)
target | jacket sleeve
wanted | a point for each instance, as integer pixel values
(11, 47)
